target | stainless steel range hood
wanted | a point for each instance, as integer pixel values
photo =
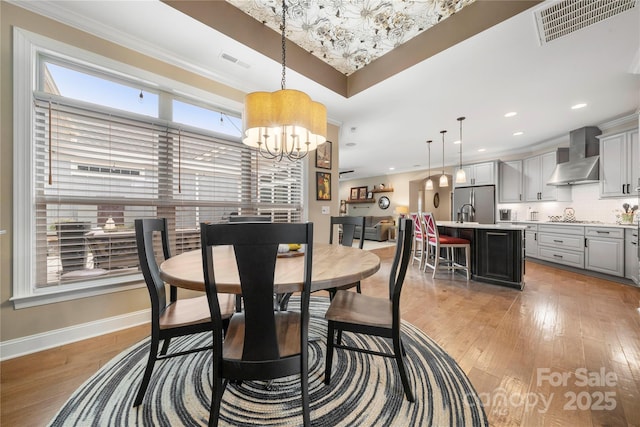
(582, 166)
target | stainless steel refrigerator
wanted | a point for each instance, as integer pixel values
(483, 200)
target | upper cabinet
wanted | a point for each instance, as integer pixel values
(510, 181)
(536, 172)
(478, 174)
(619, 164)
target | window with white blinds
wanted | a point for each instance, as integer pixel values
(97, 169)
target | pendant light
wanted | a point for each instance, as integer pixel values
(429, 184)
(461, 176)
(285, 124)
(444, 182)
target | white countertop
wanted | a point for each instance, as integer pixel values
(575, 224)
(499, 225)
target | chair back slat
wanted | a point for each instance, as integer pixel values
(256, 268)
(249, 218)
(417, 225)
(256, 248)
(400, 260)
(349, 224)
(430, 225)
(146, 229)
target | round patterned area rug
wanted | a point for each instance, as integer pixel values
(365, 390)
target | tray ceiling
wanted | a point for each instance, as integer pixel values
(350, 35)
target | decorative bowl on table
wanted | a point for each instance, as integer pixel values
(290, 250)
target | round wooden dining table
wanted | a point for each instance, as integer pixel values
(333, 266)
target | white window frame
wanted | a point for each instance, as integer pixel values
(27, 48)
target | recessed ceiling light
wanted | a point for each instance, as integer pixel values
(577, 106)
(392, 168)
(511, 114)
(457, 142)
(518, 133)
(482, 150)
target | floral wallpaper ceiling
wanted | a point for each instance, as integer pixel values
(349, 34)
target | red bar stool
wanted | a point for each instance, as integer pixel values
(449, 243)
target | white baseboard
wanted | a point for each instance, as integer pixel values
(38, 342)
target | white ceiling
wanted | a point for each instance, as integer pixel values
(499, 70)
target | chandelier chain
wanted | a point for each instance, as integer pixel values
(429, 146)
(283, 26)
(460, 119)
(443, 132)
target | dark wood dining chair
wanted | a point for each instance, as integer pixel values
(261, 342)
(175, 317)
(363, 314)
(348, 224)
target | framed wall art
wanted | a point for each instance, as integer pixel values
(353, 195)
(323, 186)
(323, 156)
(362, 193)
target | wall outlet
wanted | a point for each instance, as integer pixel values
(326, 210)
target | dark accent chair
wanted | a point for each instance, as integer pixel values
(349, 225)
(261, 343)
(173, 318)
(362, 314)
(375, 228)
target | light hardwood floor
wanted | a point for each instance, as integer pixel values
(515, 346)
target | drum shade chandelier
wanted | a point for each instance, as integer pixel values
(444, 182)
(285, 123)
(461, 176)
(429, 184)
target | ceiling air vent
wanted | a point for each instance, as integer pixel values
(234, 60)
(565, 17)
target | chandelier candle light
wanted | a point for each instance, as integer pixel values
(461, 177)
(285, 123)
(444, 182)
(429, 184)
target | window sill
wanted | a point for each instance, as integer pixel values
(52, 296)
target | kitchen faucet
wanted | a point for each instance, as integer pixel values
(460, 220)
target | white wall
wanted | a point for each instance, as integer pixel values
(406, 188)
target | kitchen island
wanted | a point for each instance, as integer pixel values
(497, 251)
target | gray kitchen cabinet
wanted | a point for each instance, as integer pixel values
(604, 250)
(619, 164)
(631, 261)
(510, 181)
(561, 244)
(478, 174)
(536, 172)
(531, 241)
